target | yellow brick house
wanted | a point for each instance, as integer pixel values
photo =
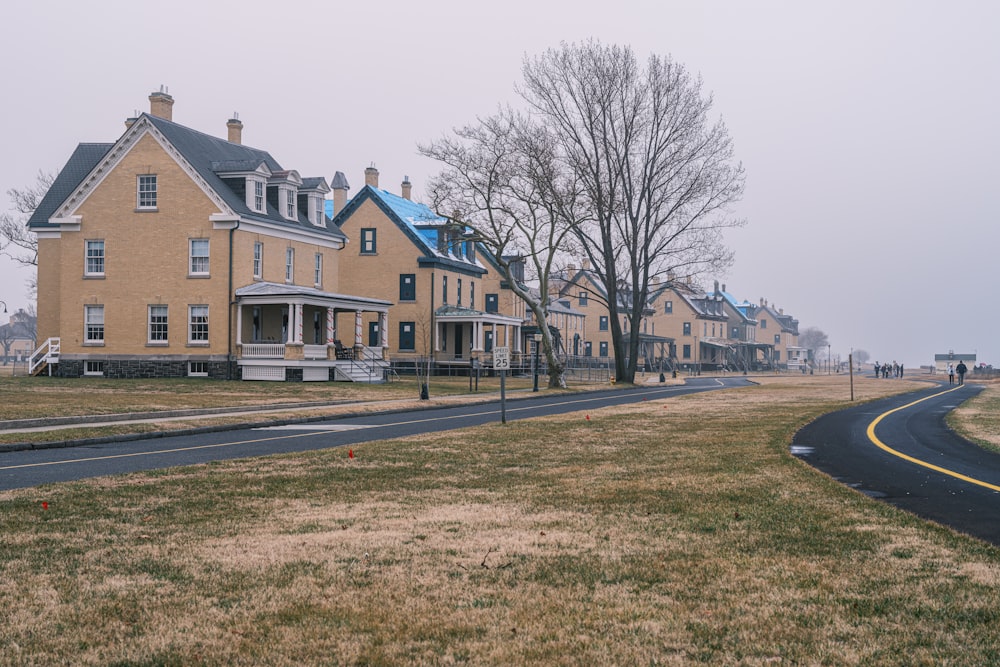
(170, 252)
(449, 301)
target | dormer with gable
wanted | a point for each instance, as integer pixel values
(246, 178)
(283, 193)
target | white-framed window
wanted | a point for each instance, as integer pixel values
(93, 368)
(95, 258)
(93, 324)
(256, 195)
(458, 291)
(318, 269)
(146, 192)
(158, 324)
(198, 369)
(290, 208)
(199, 257)
(289, 265)
(319, 212)
(197, 324)
(258, 260)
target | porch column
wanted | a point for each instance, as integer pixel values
(239, 325)
(331, 326)
(517, 338)
(383, 322)
(358, 340)
(480, 326)
(298, 323)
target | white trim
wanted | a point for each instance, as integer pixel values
(118, 151)
(290, 234)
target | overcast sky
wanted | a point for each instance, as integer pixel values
(869, 130)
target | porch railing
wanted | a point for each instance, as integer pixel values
(263, 350)
(314, 351)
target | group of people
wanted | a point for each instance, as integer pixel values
(888, 370)
(961, 369)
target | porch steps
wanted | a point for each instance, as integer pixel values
(371, 370)
(45, 357)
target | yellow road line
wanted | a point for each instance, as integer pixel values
(951, 473)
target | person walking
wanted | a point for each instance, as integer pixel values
(951, 374)
(961, 368)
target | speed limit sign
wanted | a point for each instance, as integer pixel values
(501, 358)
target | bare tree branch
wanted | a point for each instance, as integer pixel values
(657, 175)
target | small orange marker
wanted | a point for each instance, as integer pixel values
(350, 453)
(45, 505)
(588, 417)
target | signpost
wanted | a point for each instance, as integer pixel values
(501, 362)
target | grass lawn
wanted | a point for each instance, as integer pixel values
(979, 419)
(28, 397)
(674, 531)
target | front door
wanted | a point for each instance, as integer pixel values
(458, 341)
(374, 337)
(488, 341)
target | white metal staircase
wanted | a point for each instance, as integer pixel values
(46, 356)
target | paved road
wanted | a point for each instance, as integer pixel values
(900, 450)
(22, 469)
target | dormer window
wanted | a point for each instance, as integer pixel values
(318, 207)
(288, 203)
(257, 204)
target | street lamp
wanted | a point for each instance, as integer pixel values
(538, 343)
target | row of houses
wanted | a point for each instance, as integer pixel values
(172, 252)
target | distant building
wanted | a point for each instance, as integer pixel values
(941, 361)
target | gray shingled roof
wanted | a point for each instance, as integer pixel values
(204, 152)
(208, 155)
(80, 163)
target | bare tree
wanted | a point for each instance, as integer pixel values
(814, 340)
(657, 173)
(505, 177)
(7, 338)
(15, 240)
(861, 356)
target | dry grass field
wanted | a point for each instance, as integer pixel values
(676, 531)
(979, 419)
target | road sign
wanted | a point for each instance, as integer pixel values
(501, 358)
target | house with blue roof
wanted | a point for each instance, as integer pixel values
(171, 252)
(449, 303)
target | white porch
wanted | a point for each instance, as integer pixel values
(285, 330)
(461, 334)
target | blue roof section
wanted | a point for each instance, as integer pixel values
(80, 163)
(417, 221)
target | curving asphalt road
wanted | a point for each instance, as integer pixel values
(27, 468)
(901, 450)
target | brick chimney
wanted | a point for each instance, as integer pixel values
(130, 121)
(340, 188)
(161, 104)
(235, 129)
(407, 187)
(371, 176)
